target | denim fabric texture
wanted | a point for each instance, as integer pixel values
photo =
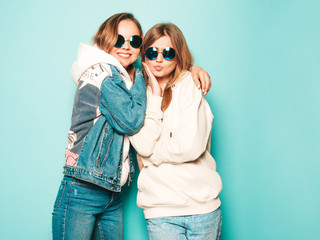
(194, 227)
(122, 113)
(85, 211)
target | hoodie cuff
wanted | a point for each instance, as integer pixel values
(154, 106)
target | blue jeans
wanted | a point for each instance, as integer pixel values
(84, 211)
(194, 227)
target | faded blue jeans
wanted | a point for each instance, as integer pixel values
(194, 227)
(84, 211)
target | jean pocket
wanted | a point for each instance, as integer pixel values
(60, 194)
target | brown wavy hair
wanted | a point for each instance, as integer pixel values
(183, 55)
(107, 34)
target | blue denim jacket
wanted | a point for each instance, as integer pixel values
(96, 150)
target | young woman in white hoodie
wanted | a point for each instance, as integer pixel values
(178, 185)
(109, 105)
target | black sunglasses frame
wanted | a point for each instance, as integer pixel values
(168, 53)
(135, 41)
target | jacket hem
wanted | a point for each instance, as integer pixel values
(91, 177)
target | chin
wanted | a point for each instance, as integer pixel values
(125, 64)
(159, 75)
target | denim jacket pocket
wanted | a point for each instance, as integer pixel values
(104, 149)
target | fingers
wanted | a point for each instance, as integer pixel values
(207, 85)
(156, 90)
(209, 81)
(201, 78)
(149, 73)
(196, 80)
(203, 83)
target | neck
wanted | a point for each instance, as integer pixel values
(131, 71)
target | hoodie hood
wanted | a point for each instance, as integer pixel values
(88, 56)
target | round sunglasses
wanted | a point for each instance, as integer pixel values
(135, 41)
(168, 53)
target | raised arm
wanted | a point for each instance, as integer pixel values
(189, 140)
(145, 140)
(201, 78)
(123, 108)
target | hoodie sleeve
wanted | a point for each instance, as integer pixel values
(144, 141)
(189, 140)
(124, 109)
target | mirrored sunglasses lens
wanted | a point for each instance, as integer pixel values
(169, 53)
(120, 41)
(135, 41)
(151, 53)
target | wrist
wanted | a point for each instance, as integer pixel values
(156, 93)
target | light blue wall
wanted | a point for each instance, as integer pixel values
(264, 59)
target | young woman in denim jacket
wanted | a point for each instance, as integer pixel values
(178, 186)
(108, 107)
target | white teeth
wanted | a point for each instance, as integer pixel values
(124, 55)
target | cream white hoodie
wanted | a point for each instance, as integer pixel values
(179, 175)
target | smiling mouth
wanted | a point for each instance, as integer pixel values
(124, 55)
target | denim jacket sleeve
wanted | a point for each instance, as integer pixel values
(124, 109)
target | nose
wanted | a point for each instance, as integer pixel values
(159, 57)
(126, 44)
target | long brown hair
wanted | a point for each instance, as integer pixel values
(107, 34)
(183, 55)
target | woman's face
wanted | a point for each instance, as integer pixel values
(160, 67)
(126, 54)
